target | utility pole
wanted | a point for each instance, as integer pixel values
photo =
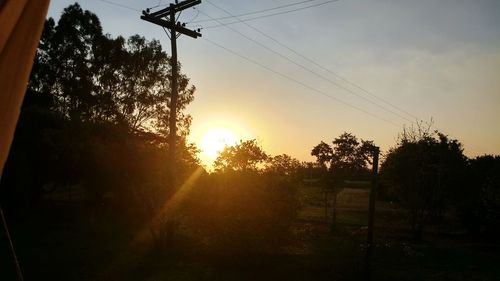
(371, 214)
(167, 19)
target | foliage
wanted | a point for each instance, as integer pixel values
(239, 215)
(244, 156)
(92, 77)
(95, 118)
(348, 157)
(423, 171)
(479, 200)
(284, 165)
(323, 153)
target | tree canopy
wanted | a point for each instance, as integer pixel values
(347, 158)
(423, 170)
(243, 156)
(91, 76)
(97, 107)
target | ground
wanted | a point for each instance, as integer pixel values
(54, 251)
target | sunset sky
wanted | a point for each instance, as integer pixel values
(398, 60)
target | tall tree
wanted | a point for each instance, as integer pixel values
(94, 77)
(97, 107)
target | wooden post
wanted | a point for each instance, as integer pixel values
(371, 213)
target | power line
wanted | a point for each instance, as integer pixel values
(318, 65)
(157, 5)
(272, 14)
(299, 82)
(306, 68)
(283, 75)
(120, 5)
(259, 11)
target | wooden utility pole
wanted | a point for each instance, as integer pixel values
(371, 212)
(166, 19)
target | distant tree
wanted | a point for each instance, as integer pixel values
(283, 165)
(347, 159)
(423, 171)
(323, 153)
(350, 156)
(244, 156)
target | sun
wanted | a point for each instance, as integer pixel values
(214, 141)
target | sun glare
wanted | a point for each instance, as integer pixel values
(214, 141)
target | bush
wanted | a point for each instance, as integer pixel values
(239, 216)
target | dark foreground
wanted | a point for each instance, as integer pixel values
(67, 249)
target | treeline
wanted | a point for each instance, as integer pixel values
(429, 175)
(90, 153)
(95, 118)
(426, 173)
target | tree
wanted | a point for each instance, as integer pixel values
(98, 109)
(95, 78)
(350, 156)
(283, 165)
(347, 160)
(323, 153)
(478, 200)
(423, 171)
(244, 156)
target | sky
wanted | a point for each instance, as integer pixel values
(369, 67)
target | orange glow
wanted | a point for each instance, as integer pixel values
(214, 141)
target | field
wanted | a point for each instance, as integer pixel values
(64, 251)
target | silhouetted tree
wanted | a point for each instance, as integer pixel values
(284, 165)
(323, 153)
(95, 116)
(350, 156)
(244, 156)
(479, 199)
(423, 171)
(346, 160)
(93, 77)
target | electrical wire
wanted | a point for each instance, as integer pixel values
(271, 15)
(269, 69)
(312, 71)
(322, 67)
(166, 32)
(120, 5)
(259, 11)
(195, 16)
(157, 5)
(299, 82)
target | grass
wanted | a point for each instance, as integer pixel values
(65, 250)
